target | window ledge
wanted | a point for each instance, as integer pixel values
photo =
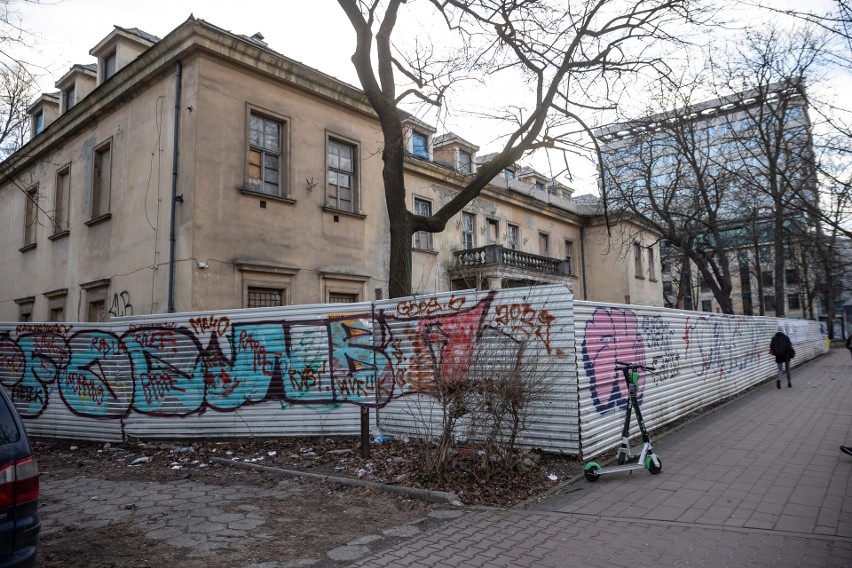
(28, 247)
(427, 251)
(334, 211)
(640, 277)
(99, 219)
(59, 235)
(260, 195)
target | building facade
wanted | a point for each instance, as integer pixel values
(205, 171)
(717, 175)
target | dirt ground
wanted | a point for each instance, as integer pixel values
(319, 516)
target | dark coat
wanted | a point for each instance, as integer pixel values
(781, 347)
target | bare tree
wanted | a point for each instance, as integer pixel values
(17, 89)
(560, 51)
(668, 172)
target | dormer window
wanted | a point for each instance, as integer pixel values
(465, 162)
(69, 98)
(420, 144)
(38, 122)
(508, 174)
(109, 65)
(539, 186)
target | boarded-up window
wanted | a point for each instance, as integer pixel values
(101, 180)
(31, 216)
(61, 209)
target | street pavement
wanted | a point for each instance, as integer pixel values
(759, 482)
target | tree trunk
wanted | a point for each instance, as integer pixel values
(399, 269)
(780, 296)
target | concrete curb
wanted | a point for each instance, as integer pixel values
(422, 494)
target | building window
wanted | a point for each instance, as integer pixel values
(791, 275)
(667, 287)
(493, 231)
(38, 122)
(96, 296)
(422, 239)
(765, 253)
(706, 305)
(652, 264)
(109, 66)
(539, 186)
(769, 303)
(513, 236)
(637, 259)
(31, 216)
(703, 284)
(767, 278)
(56, 304)
(508, 174)
(465, 162)
(748, 308)
(793, 302)
(61, 205)
(101, 180)
(544, 244)
(468, 227)
(69, 98)
(265, 155)
(569, 257)
(25, 308)
(343, 288)
(419, 144)
(264, 297)
(341, 176)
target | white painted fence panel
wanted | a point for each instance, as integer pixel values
(483, 334)
(699, 359)
(308, 370)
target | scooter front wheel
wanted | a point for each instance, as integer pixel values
(591, 472)
(654, 464)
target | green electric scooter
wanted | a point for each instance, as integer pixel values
(647, 458)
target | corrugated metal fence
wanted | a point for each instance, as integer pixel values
(308, 370)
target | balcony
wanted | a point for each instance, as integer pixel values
(494, 266)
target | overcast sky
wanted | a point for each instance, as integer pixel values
(314, 32)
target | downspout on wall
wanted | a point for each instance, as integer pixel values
(175, 197)
(583, 260)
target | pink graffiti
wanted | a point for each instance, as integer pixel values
(611, 335)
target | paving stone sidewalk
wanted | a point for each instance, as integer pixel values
(759, 482)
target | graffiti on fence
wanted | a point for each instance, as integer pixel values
(215, 363)
(657, 334)
(612, 334)
(721, 345)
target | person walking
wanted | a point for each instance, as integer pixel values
(782, 348)
(849, 340)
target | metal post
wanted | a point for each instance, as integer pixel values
(365, 432)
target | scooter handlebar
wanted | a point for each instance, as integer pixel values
(621, 365)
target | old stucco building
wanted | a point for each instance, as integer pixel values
(205, 171)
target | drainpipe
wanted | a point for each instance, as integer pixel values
(175, 197)
(583, 260)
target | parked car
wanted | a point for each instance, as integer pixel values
(19, 524)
